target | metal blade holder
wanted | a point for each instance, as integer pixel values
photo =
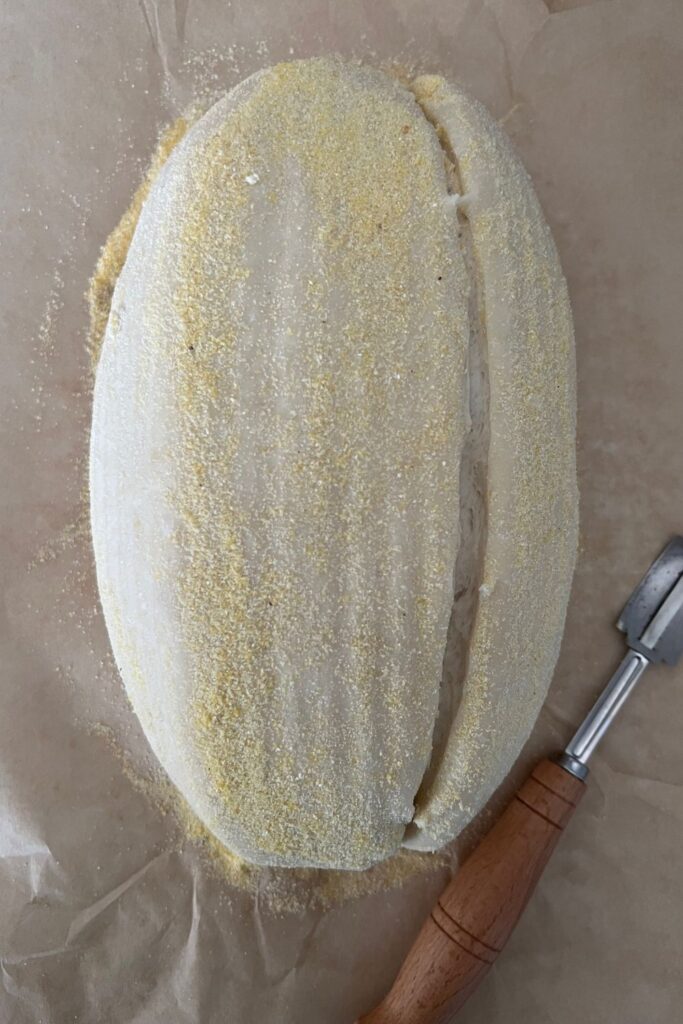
(653, 623)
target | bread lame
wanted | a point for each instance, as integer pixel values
(478, 911)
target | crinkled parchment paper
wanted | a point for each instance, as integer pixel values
(106, 914)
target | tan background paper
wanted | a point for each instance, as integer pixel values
(103, 918)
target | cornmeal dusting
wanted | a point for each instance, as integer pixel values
(323, 367)
(114, 252)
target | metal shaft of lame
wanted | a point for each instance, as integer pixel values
(606, 708)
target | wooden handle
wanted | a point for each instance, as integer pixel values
(477, 912)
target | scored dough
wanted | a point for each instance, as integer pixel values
(314, 352)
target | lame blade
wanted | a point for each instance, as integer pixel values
(653, 617)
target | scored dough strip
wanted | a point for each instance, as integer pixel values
(532, 497)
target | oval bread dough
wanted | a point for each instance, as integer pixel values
(336, 392)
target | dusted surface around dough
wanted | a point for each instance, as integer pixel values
(279, 411)
(589, 95)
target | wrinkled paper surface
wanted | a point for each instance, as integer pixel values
(104, 917)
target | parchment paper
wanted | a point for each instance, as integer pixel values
(103, 917)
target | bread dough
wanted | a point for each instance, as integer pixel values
(332, 394)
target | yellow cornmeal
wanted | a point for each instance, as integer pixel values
(285, 888)
(113, 255)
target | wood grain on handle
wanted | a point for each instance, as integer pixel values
(477, 912)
